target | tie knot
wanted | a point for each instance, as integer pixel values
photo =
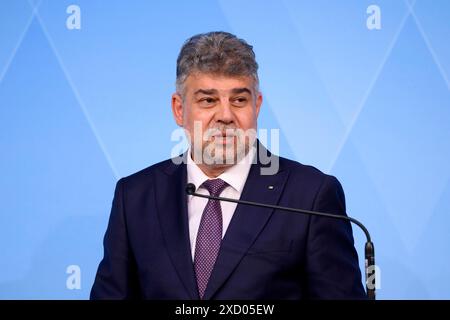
(215, 186)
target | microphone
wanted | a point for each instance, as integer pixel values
(369, 251)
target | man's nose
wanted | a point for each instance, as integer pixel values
(225, 113)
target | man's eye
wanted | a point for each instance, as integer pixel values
(207, 100)
(240, 100)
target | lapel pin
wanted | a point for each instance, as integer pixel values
(270, 187)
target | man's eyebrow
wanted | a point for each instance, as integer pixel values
(240, 90)
(206, 91)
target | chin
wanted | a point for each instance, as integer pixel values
(229, 157)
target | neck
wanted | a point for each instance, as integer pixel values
(213, 171)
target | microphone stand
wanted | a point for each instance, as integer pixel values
(369, 250)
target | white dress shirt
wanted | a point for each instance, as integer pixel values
(235, 176)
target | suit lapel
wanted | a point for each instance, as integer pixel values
(246, 224)
(171, 202)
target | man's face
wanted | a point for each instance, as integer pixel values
(218, 113)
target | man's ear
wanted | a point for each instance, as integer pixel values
(259, 100)
(177, 108)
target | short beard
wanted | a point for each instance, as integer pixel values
(216, 154)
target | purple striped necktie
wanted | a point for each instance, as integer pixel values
(209, 235)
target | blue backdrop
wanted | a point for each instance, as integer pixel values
(85, 100)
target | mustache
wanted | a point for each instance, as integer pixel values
(222, 131)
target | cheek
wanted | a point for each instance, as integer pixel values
(247, 119)
(191, 115)
(197, 121)
(203, 116)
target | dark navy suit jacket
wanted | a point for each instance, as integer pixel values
(265, 253)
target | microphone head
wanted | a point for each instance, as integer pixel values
(190, 188)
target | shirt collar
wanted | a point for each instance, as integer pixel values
(235, 176)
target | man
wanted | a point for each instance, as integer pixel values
(163, 244)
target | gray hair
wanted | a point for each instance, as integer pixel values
(219, 53)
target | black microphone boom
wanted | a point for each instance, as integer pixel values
(369, 251)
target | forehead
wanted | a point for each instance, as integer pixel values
(221, 83)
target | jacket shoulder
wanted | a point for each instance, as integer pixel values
(145, 176)
(303, 171)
